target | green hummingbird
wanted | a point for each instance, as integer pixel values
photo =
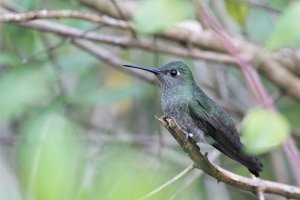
(201, 119)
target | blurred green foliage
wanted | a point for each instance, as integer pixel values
(21, 90)
(47, 95)
(259, 25)
(125, 173)
(263, 130)
(49, 157)
(238, 10)
(290, 108)
(286, 32)
(155, 15)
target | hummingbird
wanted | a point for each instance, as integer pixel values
(200, 118)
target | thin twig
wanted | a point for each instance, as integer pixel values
(212, 157)
(259, 191)
(187, 170)
(119, 10)
(260, 194)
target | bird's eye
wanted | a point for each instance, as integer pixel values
(173, 72)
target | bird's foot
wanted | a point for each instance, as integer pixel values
(187, 135)
(206, 155)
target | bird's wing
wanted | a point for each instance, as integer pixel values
(216, 123)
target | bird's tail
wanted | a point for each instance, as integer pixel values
(252, 163)
(254, 166)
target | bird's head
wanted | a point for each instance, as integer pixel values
(170, 75)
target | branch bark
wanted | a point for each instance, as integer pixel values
(201, 162)
(108, 7)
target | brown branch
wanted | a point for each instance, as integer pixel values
(206, 39)
(202, 39)
(125, 41)
(108, 7)
(279, 75)
(58, 14)
(201, 162)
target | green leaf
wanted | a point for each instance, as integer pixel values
(156, 15)
(28, 44)
(49, 155)
(238, 10)
(258, 26)
(264, 130)
(20, 90)
(8, 59)
(287, 30)
(278, 4)
(28, 4)
(290, 108)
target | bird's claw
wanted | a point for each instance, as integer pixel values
(206, 155)
(187, 136)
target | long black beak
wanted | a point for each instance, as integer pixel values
(149, 69)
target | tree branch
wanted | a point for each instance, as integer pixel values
(201, 162)
(203, 39)
(125, 41)
(108, 7)
(58, 14)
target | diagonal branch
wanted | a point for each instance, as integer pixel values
(201, 162)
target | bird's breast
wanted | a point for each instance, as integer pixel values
(172, 106)
(177, 108)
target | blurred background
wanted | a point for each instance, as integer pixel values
(75, 125)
